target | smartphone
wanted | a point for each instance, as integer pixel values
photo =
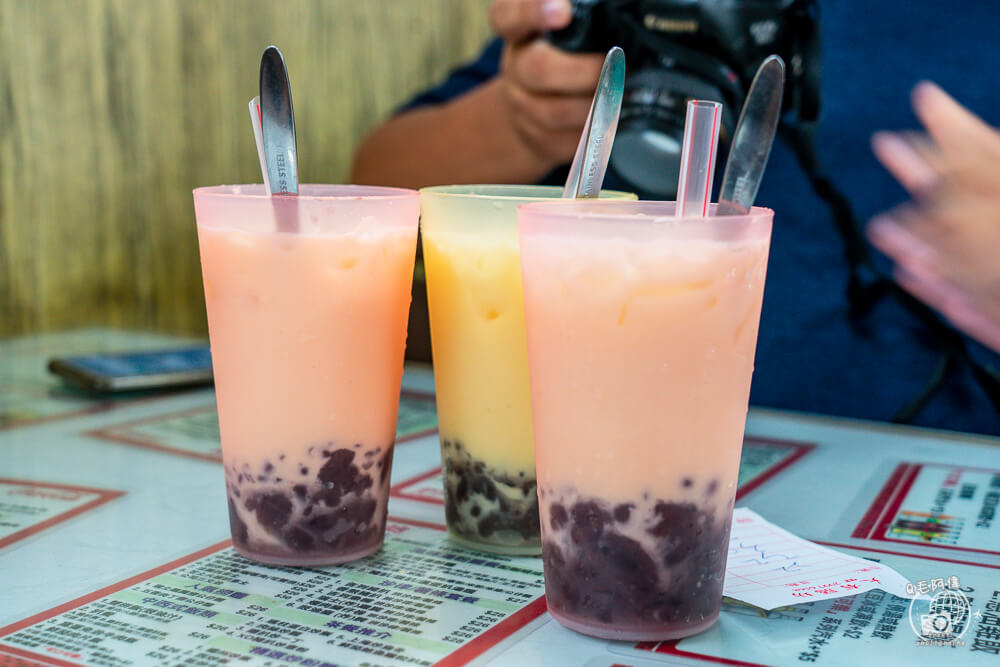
(133, 371)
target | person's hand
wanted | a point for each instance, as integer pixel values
(546, 92)
(946, 242)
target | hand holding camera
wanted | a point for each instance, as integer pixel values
(546, 91)
(691, 49)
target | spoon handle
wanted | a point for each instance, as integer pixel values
(752, 139)
(586, 174)
(278, 124)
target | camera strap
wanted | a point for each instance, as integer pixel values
(867, 284)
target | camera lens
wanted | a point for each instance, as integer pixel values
(647, 151)
(941, 623)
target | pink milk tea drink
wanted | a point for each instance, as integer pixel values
(307, 327)
(641, 333)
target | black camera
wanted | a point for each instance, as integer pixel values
(692, 49)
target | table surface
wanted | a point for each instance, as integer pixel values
(114, 544)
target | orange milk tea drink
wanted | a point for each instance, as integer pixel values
(473, 274)
(641, 335)
(307, 328)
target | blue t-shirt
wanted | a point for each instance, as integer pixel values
(811, 356)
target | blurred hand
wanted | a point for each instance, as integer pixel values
(546, 92)
(946, 243)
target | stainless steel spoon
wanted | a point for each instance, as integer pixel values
(752, 139)
(586, 174)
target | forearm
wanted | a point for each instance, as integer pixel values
(468, 140)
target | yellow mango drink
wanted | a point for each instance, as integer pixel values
(641, 332)
(307, 331)
(473, 274)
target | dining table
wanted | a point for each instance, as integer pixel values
(115, 544)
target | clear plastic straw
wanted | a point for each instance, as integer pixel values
(701, 142)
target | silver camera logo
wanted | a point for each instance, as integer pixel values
(936, 625)
(764, 32)
(946, 618)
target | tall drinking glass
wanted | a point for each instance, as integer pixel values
(641, 333)
(473, 274)
(307, 327)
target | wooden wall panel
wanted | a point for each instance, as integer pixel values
(111, 111)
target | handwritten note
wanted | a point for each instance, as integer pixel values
(769, 567)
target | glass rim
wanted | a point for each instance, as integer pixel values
(380, 193)
(586, 210)
(507, 191)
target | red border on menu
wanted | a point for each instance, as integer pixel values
(800, 449)
(670, 647)
(423, 396)
(400, 490)
(499, 632)
(97, 407)
(880, 515)
(103, 496)
(113, 432)
(15, 657)
(462, 655)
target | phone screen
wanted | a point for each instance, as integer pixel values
(146, 363)
(137, 370)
